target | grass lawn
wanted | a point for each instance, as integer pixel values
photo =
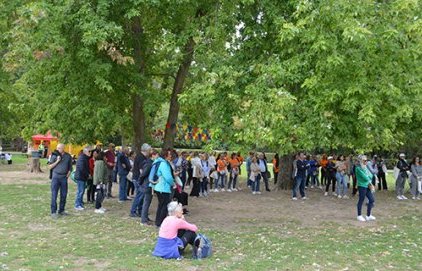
(266, 232)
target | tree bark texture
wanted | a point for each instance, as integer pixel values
(285, 176)
(170, 131)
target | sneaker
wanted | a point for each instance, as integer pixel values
(79, 208)
(339, 196)
(229, 190)
(312, 186)
(294, 198)
(345, 197)
(235, 189)
(104, 209)
(258, 192)
(418, 198)
(64, 213)
(335, 194)
(216, 190)
(120, 201)
(403, 197)
(54, 216)
(222, 189)
(268, 190)
(399, 198)
(326, 194)
(370, 218)
(253, 192)
(361, 218)
(414, 198)
(99, 211)
(304, 198)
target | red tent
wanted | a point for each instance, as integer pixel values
(46, 137)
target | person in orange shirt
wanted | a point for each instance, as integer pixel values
(323, 163)
(222, 172)
(234, 172)
(276, 167)
(241, 160)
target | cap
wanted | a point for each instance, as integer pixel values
(402, 155)
(330, 158)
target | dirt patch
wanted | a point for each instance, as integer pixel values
(23, 177)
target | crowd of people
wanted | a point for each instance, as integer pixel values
(169, 175)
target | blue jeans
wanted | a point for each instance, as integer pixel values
(79, 193)
(299, 184)
(314, 179)
(146, 203)
(255, 185)
(137, 201)
(365, 192)
(203, 185)
(220, 181)
(341, 184)
(122, 187)
(58, 183)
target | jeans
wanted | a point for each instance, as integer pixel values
(204, 185)
(99, 196)
(255, 185)
(341, 184)
(365, 192)
(415, 186)
(146, 203)
(265, 178)
(58, 183)
(299, 184)
(232, 181)
(163, 200)
(122, 187)
(400, 184)
(139, 197)
(314, 179)
(183, 178)
(79, 193)
(220, 181)
(330, 179)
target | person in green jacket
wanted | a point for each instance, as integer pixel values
(365, 188)
(100, 179)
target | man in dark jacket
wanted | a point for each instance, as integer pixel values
(403, 166)
(123, 168)
(300, 179)
(81, 177)
(61, 165)
(140, 171)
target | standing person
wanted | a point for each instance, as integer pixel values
(255, 176)
(382, 172)
(294, 171)
(331, 176)
(90, 192)
(81, 177)
(196, 174)
(341, 177)
(123, 168)
(222, 171)
(401, 178)
(148, 184)
(300, 179)
(262, 162)
(61, 166)
(205, 166)
(213, 166)
(324, 174)
(365, 187)
(140, 172)
(373, 168)
(100, 181)
(276, 167)
(355, 188)
(416, 177)
(313, 171)
(164, 185)
(111, 157)
(241, 160)
(248, 168)
(234, 172)
(130, 186)
(189, 169)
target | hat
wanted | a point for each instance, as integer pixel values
(330, 158)
(402, 155)
(145, 147)
(111, 145)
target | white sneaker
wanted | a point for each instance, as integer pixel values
(312, 186)
(253, 193)
(370, 218)
(403, 197)
(418, 198)
(229, 190)
(222, 189)
(235, 189)
(326, 194)
(345, 197)
(414, 198)
(258, 192)
(339, 196)
(216, 190)
(361, 218)
(294, 198)
(79, 208)
(99, 211)
(335, 194)
(304, 198)
(399, 198)
(104, 209)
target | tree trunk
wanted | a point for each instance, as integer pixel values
(138, 114)
(285, 180)
(35, 165)
(170, 131)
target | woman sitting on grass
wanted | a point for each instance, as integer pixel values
(175, 234)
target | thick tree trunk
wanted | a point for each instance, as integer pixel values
(170, 131)
(35, 165)
(138, 114)
(285, 180)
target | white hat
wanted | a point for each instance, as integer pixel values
(330, 158)
(402, 155)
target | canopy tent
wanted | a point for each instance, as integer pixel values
(46, 137)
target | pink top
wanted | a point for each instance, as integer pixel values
(172, 224)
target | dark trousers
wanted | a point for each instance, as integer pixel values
(265, 178)
(146, 203)
(355, 189)
(204, 185)
(382, 181)
(130, 188)
(190, 173)
(275, 177)
(138, 200)
(99, 197)
(58, 184)
(331, 180)
(187, 237)
(324, 176)
(90, 192)
(163, 200)
(195, 188)
(365, 192)
(308, 179)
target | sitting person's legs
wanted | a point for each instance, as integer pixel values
(187, 237)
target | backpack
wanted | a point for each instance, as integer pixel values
(155, 177)
(205, 247)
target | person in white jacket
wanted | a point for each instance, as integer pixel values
(196, 175)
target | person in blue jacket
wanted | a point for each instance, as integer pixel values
(164, 184)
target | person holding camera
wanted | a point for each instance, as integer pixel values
(365, 188)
